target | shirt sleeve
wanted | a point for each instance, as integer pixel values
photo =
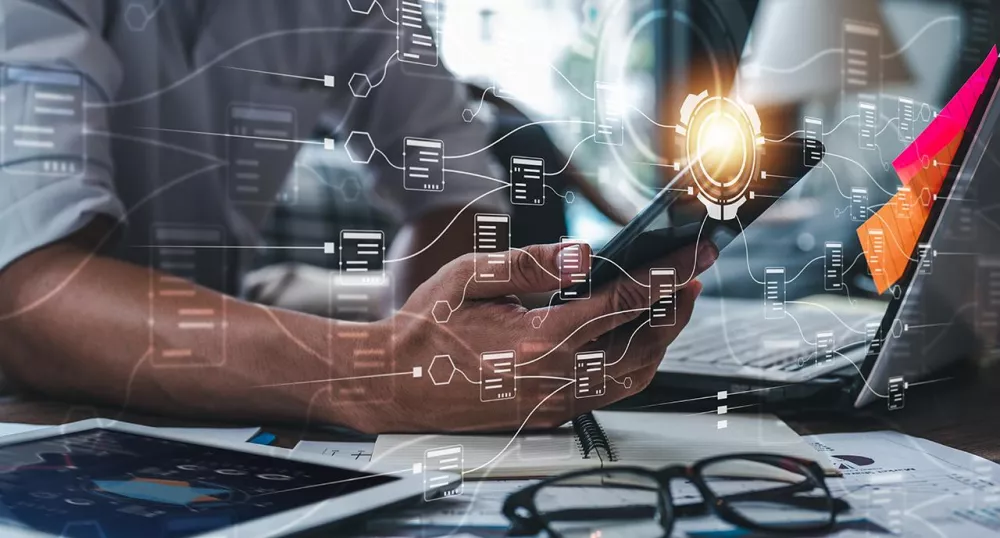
(406, 100)
(55, 73)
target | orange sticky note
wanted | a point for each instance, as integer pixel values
(890, 236)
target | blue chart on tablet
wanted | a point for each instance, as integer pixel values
(126, 485)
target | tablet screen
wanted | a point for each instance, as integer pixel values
(103, 483)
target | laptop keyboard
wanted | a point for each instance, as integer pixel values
(737, 337)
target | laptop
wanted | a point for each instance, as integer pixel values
(833, 351)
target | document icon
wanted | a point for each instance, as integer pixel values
(904, 202)
(415, 31)
(362, 256)
(813, 147)
(496, 376)
(906, 120)
(590, 374)
(493, 240)
(868, 112)
(441, 467)
(42, 122)
(825, 347)
(873, 338)
(575, 262)
(527, 180)
(662, 299)
(833, 273)
(187, 322)
(423, 165)
(926, 259)
(774, 293)
(609, 114)
(897, 393)
(262, 142)
(862, 61)
(365, 353)
(355, 299)
(876, 252)
(859, 204)
(988, 304)
(863, 76)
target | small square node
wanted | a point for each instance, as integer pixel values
(329, 248)
(329, 81)
(753, 195)
(690, 191)
(418, 371)
(722, 424)
(763, 174)
(329, 144)
(723, 410)
(418, 468)
(722, 395)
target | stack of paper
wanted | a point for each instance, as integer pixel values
(890, 236)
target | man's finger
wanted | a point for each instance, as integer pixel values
(534, 269)
(643, 345)
(626, 299)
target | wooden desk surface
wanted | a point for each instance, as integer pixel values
(961, 413)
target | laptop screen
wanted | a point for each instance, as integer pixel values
(926, 324)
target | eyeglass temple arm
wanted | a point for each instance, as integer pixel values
(597, 514)
(785, 495)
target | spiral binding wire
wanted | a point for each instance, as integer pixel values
(591, 436)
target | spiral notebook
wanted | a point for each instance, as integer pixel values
(604, 439)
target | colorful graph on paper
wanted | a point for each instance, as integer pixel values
(890, 236)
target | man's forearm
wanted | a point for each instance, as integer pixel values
(77, 326)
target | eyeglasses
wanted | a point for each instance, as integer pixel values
(756, 492)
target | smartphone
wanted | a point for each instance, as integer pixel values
(675, 218)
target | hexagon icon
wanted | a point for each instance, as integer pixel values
(358, 6)
(468, 115)
(360, 85)
(359, 147)
(442, 312)
(439, 362)
(136, 17)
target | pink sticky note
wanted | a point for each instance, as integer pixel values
(950, 123)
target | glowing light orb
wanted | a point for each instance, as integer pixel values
(722, 144)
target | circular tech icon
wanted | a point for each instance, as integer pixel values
(722, 143)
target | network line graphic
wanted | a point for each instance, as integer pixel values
(850, 152)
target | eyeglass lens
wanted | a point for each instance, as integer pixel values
(780, 495)
(607, 505)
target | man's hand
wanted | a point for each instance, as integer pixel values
(487, 317)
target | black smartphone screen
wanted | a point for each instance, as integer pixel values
(676, 218)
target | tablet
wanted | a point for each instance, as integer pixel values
(108, 479)
(677, 217)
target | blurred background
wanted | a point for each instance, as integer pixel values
(537, 61)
